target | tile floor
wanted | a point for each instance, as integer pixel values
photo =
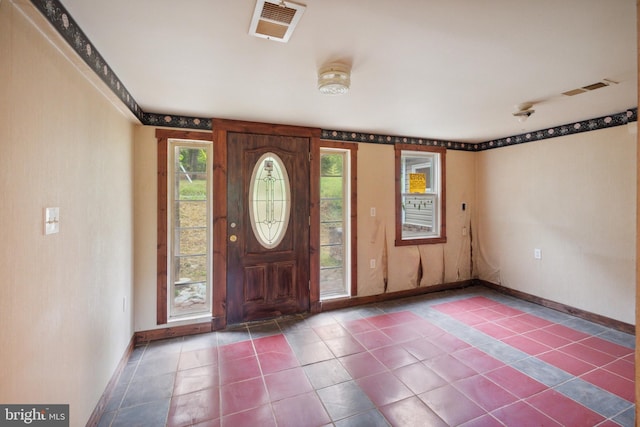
(472, 357)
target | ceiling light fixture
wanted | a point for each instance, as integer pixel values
(524, 111)
(334, 79)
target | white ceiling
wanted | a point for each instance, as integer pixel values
(447, 69)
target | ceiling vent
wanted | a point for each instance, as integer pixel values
(275, 20)
(587, 88)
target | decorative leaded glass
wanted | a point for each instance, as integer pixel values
(269, 200)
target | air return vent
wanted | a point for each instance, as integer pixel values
(587, 88)
(275, 20)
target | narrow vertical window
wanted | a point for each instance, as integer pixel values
(335, 224)
(189, 237)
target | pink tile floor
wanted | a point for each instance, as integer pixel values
(465, 358)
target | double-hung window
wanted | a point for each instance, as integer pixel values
(420, 195)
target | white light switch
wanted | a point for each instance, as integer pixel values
(51, 220)
(537, 254)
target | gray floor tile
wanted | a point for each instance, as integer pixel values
(155, 365)
(153, 414)
(312, 353)
(106, 419)
(620, 338)
(626, 418)
(593, 397)
(168, 346)
(371, 418)
(344, 400)
(325, 374)
(148, 389)
(233, 335)
(200, 341)
(503, 352)
(585, 326)
(137, 352)
(542, 372)
(113, 404)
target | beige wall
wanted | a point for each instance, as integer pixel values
(63, 326)
(441, 263)
(573, 197)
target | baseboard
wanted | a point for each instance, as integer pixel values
(173, 331)
(338, 303)
(98, 411)
(586, 315)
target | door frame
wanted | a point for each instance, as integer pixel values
(220, 129)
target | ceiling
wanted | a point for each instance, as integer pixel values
(450, 69)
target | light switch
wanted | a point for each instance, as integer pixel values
(51, 220)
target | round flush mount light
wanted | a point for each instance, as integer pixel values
(334, 79)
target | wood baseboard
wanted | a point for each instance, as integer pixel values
(98, 411)
(173, 332)
(586, 315)
(355, 301)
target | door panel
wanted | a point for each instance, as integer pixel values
(266, 282)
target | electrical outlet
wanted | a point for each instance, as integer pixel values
(537, 253)
(373, 211)
(372, 263)
(464, 231)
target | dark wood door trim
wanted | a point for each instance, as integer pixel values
(219, 228)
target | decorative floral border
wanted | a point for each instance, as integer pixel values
(618, 119)
(338, 135)
(62, 21)
(631, 115)
(174, 121)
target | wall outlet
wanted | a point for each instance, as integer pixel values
(373, 211)
(537, 253)
(372, 263)
(464, 231)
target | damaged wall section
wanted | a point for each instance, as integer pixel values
(406, 267)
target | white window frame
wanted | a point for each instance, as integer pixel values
(173, 143)
(431, 200)
(346, 218)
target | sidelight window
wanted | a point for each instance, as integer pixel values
(335, 226)
(189, 238)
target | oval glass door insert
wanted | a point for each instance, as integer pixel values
(269, 200)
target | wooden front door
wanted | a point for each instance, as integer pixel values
(266, 278)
